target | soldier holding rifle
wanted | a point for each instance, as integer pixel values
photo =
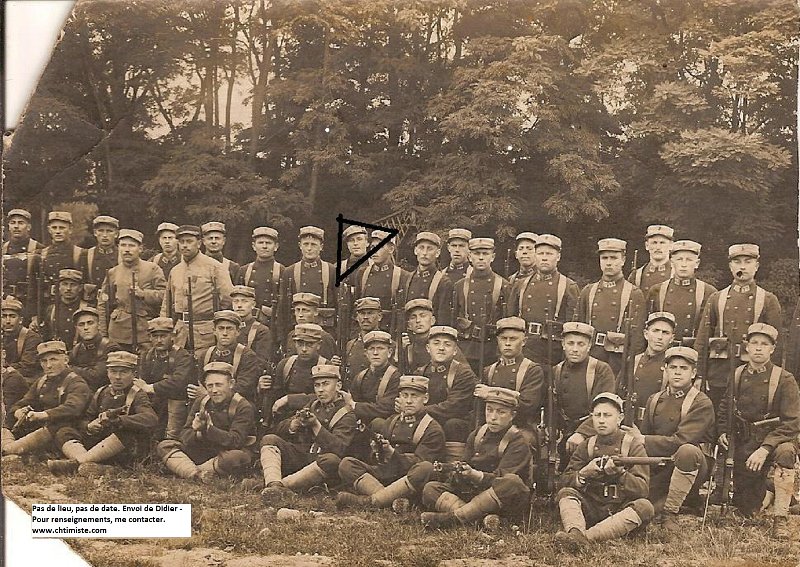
(428, 281)
(253, 334)
(264, 275)
(21, 262)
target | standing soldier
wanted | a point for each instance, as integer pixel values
(657, 242)
(606, 303)
(19, 343)
(88, 357)
(211, 290)
(55, 400)
(368, 317)
(576, 382)
(419, 321)
(164, 373)
(116, 427)
(168, 258)
(542, 296)
(253, 334)
(678, 423)
(382, 278)
(309, 275)
(21, 258)
(480, 300)
(214, 242)
(219, 433)
(428, 281)
(60, 255)
(355, 237)
(264, 275)
(525, 253)
(763, 392)
(648, 367)
(458, 248)
(306, 310)
(59, 323)
(132, 277)
(596, 491)
(489, 476)
(730, 310)
(101, 257)
(683, 295)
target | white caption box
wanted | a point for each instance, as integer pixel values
(111, 520)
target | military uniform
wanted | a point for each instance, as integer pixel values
(166, 263)
(521, 375)
(88, 360)
(20, 348)
(648, 378)
(56, 257)
(265, 279)
(458, 271)
(793, 345)
(257, 337)
(432, 284)
(294, 376)
(230, 265)
(21, 264)
(374, 392)
(386, 283)
(450, 396)
(246, 366)
(680, 297)
(59, 320)
(645, 277)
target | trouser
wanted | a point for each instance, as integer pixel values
(671, 483)
(177, 412)
(350, 469)
(751, 487)
(294, 458)
(605, 518)
(225, 462)
(134, 446)
(509, 493)
(31, 439)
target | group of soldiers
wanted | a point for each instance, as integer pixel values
(453, 388)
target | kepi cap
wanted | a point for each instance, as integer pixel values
(661, 316)
(220, 367)
(443, 330)
(377, 337)
(88, 310)
(413, 382)
(160, 325)
(685, 246)
(607, 397)
(511, 324)
(532, 236)
(121, 359)
(577, 327)
(213, 226)
(267, 231)
(365, 303)
(611, 245)
(243, 291)
(11, 303)
(19, 213)
(170, 226)
(105, 219)
(70, 274)
(763, 329)
(684, 352)
(51, 346)
(188, 230)
(304, 298)
(427, 236)
(660, 230)
(750, 250)
(307, 332)
(314, 231)
(130, 233)
(352, 230)
(419, 303)
(325, 371)
(459, 233)
(62, 216)
(481, 244)
(549, 240)
(503, 396)
(227, 315)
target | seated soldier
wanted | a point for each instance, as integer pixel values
(419, 320)
(516, 372)
(88, 356)
(368, 317)
(488, 479)
(451, 385)
(252, 333)
(164, 373)
(307, 447)
(58, 323)
(577, 380)
(218, 434)
(293, 382)
(116, 427)
(306, 311)
(648, 366)
(57, 399)
(407, 438)
(678, 420)
(19, 343)
(598, 492)
(246, 365)
(763, 392)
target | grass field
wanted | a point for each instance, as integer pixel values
(233, 529)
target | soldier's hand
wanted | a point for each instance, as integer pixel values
(266, 310)
(143, 386)
(593, 468)
(195, 391)
(574, 441)
(265, 382)
(757, 459)
(295, 424)
(336, 360)
(405, 340)
(197, 422)
(37, 416)
(480, 390)
(470, 474)
(611, 469)
(94, 427)
(387, 448)
(397, 405)
(21, 412)
(633, 430)
(723, 441)
(34, 326)
(279, 404)
(347, 397)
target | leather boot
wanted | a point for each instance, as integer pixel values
(448, 502)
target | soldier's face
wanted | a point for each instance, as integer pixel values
(442, 349)
(760, 348)
(219, 386)
(306, 350)
(378, 354)
(658, 247)
(129, 250)
(11, 321)
(383, 253)
(498, 416)
(305, 313)
(265, 248)
(310, 248)
(679, 372)
(120, 377)
(481, 259)
(368, 319)
(526, 254)
(547, 258)
(243, 306)
(168, 242)
(426, 253)
(189, 246)
(105, 235)
(19, 227)
(214, 241)
(59, 231)
(607, 418)
(743, 268)
(457, 248)
(511, 343)
(420, 321)
(357, 244)
(659, 335)
(611, 263)
(226, 333)
(162, 341)
(69, 290)
(685, 263)
(53, 363)
(576, 347)
(411, 401)
(88, 327)
(327, 389)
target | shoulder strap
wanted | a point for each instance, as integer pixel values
(237, 357)
(30, 256)
(496, 289)
(365, 278)
(76, 255)
(276, 272)
(251, 334)
(625, 448)
(421, 428)
(721, 301)
(451, 374)
(591, 369)
(395, 280)
(506, 440)
(287, 368)
(761, 296)
(296, 276)
(523, 368)
(340, 413)
(560, 292)
(207, 355)
(662, 294)
(157, 258)
(226, 263)
(627, 289)
(203, 403)
(592, 294)
(234, 405)
(104, 343)
(23, 334)
(90, 259)
(465, 289)
(557, 370)
(638, 277)
(688, 400)
(248, 271)
(437, 279)
(391, 422)
(651, 404)
(5, 247)
(636, 360)
(774, 381)
(480, 434)
(326, 279)
(737, 377)
(131, 396)
(524, 286)
(359, 378)
(384, 383)
(699, 293)
(490, 373)
(590, 446)
(100, 390)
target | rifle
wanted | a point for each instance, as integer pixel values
(711, 485)
(214, 294)
(134, 330)
(375, 442)
(507, 264)
(481, 361)
(551, 436)
(113, 414)
(397, 327)
(109, 301)
(634, 461)
(266, 398)
(635, 263)
(626, 377)
(343, 329)
(190, 315)
(727, 474)
(22, 420)
(450, 471)
(56, 313)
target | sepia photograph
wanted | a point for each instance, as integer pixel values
(457, 283)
